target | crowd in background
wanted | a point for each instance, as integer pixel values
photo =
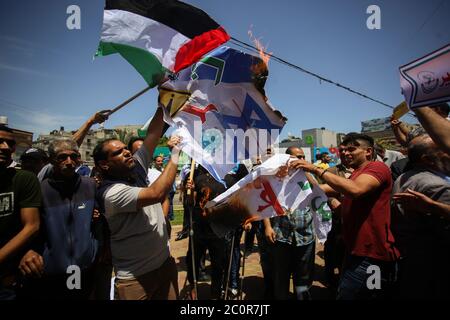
(59, 219)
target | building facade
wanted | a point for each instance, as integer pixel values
(380, 130)
(87, 147)
(24, 139)
(321, 137)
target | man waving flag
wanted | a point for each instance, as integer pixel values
(158, 37)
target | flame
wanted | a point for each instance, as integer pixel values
(264, 56)
(260, 68)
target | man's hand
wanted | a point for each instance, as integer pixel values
(190, 184)
(270, 234)
(190, 197)
(173, 142)
(304, 165)
(95, 214)
(32, 264)
(413, 200)
(100, 116)
(247, 226)
(333, 203)
(282, 172)
(395, 122)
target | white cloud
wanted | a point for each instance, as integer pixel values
(41, 122)
(26, 71)
(25, 46)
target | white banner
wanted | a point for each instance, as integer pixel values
(426, 81)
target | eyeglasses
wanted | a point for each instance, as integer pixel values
(63, 156)
(301, 157)
(9, 142)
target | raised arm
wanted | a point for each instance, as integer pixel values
(400, 131)
(437, 127)
(98, 117)
(363, 184)
(158, 190)
(154, 131)
(166, 206)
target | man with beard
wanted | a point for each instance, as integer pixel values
(20, 198)
(141, 257)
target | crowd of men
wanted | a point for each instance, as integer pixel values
(65, 230)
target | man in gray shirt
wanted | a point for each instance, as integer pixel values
(421, 222)
(143, 265)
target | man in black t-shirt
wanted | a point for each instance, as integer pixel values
(20, 198)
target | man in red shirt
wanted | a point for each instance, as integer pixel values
(369, 265)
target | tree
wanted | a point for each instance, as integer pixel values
(123, 135)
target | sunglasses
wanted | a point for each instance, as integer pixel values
(301, 157)
(63, 157)
(9, 142)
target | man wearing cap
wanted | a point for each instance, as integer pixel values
(34, 159)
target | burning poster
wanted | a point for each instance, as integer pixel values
(271, 190)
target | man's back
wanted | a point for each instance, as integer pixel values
(423, 238)
(415, 230)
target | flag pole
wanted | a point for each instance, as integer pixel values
(120, 106)
(191, 229)
(229, 265)
(191, 175)
(242, 275)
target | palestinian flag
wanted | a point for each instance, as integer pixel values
(158, 37)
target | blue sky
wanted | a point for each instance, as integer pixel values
(49, 79)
